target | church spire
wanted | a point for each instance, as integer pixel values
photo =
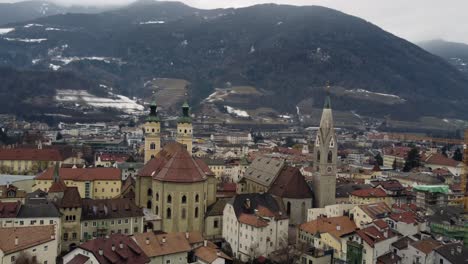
(185, 118)
(56, 172)
(327, 104)
(153, 115)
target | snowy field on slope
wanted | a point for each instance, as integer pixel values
(362, 91)
(6, 30)
(237, 112)
(118, 102)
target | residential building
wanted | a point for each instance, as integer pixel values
(452, 253)
(255, 225)
(449, 223)
(422, 251)
(34, 243)
(329, 211)
(25, 161)
(176, 187)
(173, 248)
(100, 218)
(11, 193)
(436, 161)
(407, 223)
(375, 242)
(214, 220)
(395, 155)
(115, 249)
(401, 248)
(369, 196)
(328, 233)
(368, 213)
(429, 196)
(94, 183)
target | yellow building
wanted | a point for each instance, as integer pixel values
(177, 188)
(152, 130)
(28, 160)
(370, 196)
(185, 129)
(95, 183)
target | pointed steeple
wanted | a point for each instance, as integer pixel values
(327, 118)
(56, 172)
(327, 104)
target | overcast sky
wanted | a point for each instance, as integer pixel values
(414, 20)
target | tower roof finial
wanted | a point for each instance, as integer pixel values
(327, 97)
(153, 116)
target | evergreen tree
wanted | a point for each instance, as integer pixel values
(59, 136)
(444, 151)
(378, 159)
(458, 155)
(413, 160)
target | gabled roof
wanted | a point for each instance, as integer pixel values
(109, 209)
(390, 185)
(336, 226)
(405, 217)
(84, 174)
(174, 164)
(376, 210)
(155, 245)
(126, 250)
(454, 252)
(251, 208)
(31, 154)
(38, 210)
(426, 245)
(371, 235)
(71, 198)
(370, 193)
(403, 242)
(441, 160)
(290, 183)
(217, 208)
(27, 237)
(264, 170)
(5, 189)
(79, 259)
(209, 254)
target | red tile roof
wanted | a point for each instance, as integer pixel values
(372, 235)
(126, 250)
(400, 152)
(405, 217)
(9, 209)
(426, 245)
(439, 159)
(376, 210)
(79, 259)
(27, 237)
(370, 193)
(381, 224)
(31, 154)
(290, 183)
(113, 157)
(336, 226)
(174, 164)
(85, 174)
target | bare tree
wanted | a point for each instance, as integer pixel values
(26, 258)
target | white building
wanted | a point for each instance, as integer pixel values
(255, 225)
(34, 243)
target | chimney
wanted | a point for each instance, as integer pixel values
(218, 253)
(205, 243)
(452, 251)
(16, 241)
(338, 228)
(187, 235)
(147, 241)
(255, 211)
(101, 252)
(113, 247)
(121, 244)
(393, 256)
(459, 249)
(164, 239)
(385, 233)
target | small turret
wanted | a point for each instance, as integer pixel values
(185, 118)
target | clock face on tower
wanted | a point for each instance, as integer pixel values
(329, 169)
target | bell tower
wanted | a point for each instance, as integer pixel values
(185, 129)
(325, 158)
(152, 131)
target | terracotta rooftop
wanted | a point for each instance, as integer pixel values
(400, 152)
(336, 226)
(290, 183)
(31, 154)
(7, 190)
(210, 254)
(370, 193)
(390, 185)
(155, 245)
(403, 242)
(78, 259)
(85, 174)
(426, 245)
(405, 217)
(381, 224)
(71, 198)
(27, 237)
(117, 249)
(372, 235)
(174, 164)
(439, 159)
(9, 209)
(376, 210)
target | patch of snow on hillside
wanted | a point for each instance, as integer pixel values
(35, 61)
(68, 60)
(26, 40)
(237, 112)
(115, 101)
(368, 93)
(53, 29)
(252, 49)
(184, 43)
(152, 22)
(285, 116)
(446, 120)
(33, 25)
(279, 23)
(54, 67)
(218, 95)
(6, 30)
